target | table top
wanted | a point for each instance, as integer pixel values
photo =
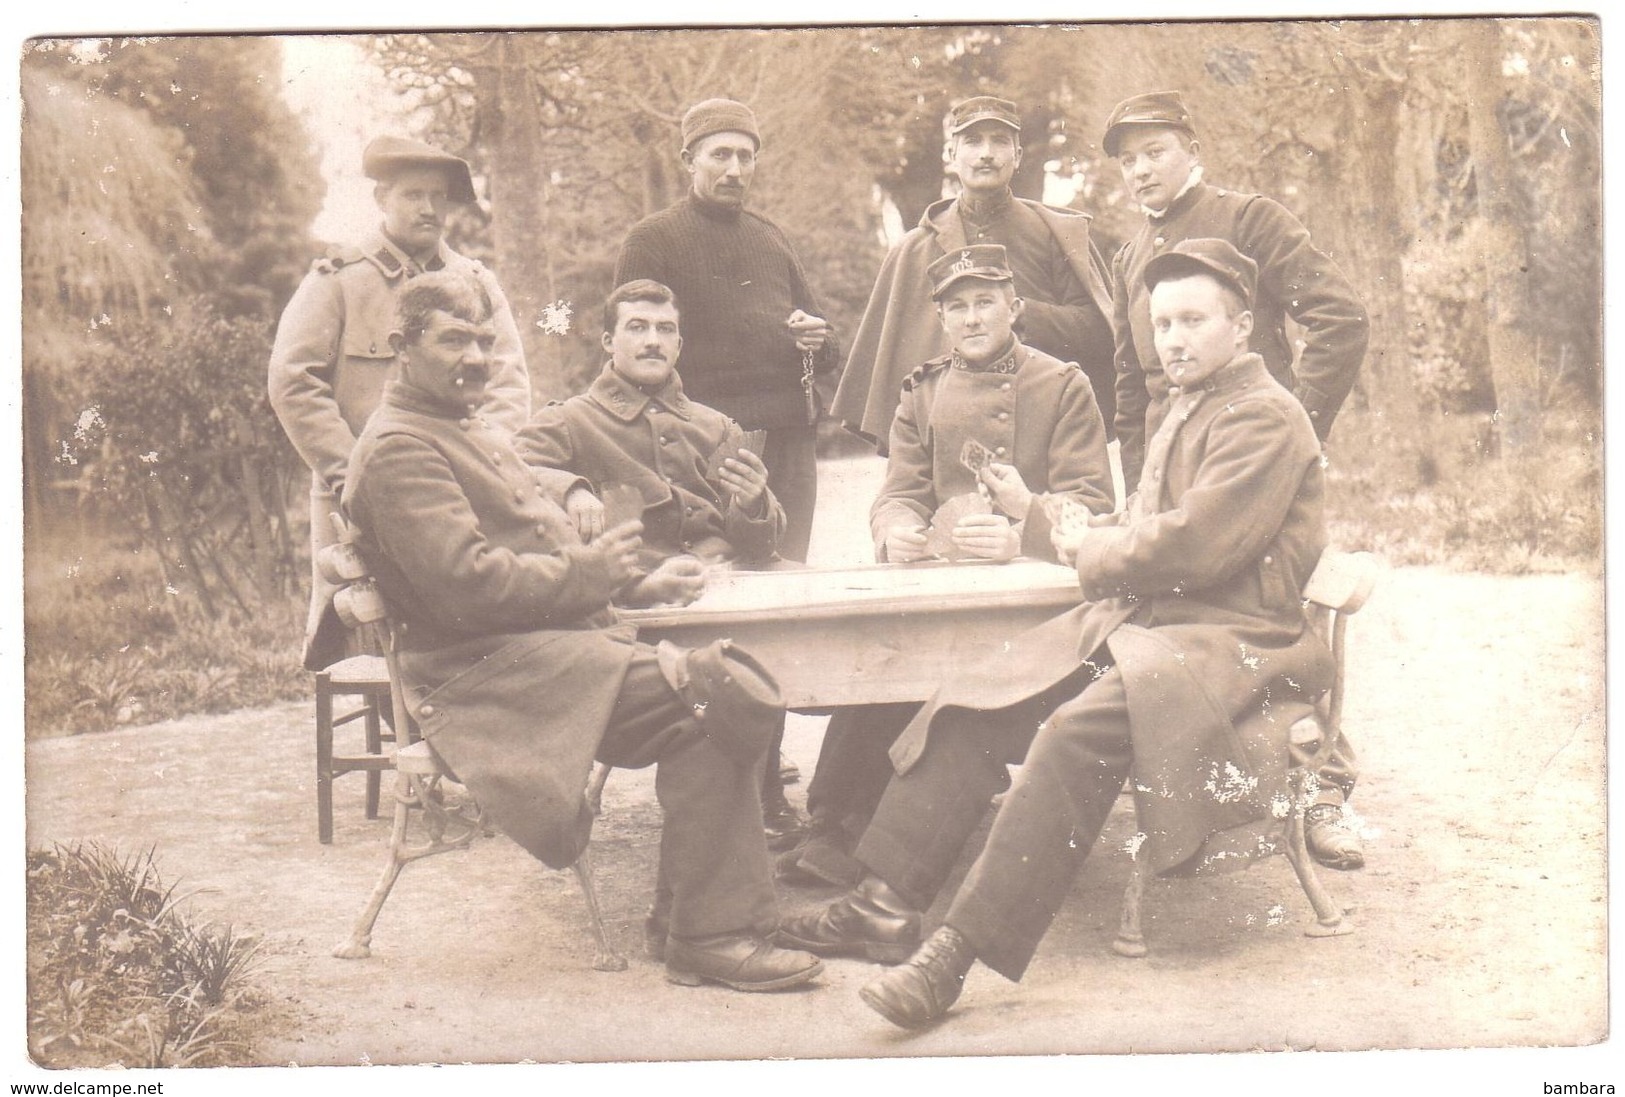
(900, 589)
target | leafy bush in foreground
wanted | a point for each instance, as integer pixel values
(119, 975)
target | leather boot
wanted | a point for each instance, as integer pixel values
(919, 992)
(871, 921)
(1330, 839)
(742, 961)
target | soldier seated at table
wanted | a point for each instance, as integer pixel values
(704, 495)
(1187, 666)
(516, 667)
(987, 441)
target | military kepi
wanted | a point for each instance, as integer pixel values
(1206, 255)
(384, 156)
(984, 261)
(1163, 109)
(984, 108)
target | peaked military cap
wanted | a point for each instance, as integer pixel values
(984, 108)
(384, 156)
(1165, 109)
(984, 261)
(1206, 255)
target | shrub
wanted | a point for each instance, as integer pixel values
(119, 975)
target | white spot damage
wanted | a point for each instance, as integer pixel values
(1231, 785)
(556, 318)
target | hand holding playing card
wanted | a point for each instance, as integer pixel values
(1009, 490)
(940, 541)
(746, 477)
(986, 537)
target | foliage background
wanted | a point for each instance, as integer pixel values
(1452, 167)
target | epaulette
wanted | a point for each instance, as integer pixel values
(386, 261)
(337, 257)
(920, 373)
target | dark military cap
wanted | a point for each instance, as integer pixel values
(735, 700)
(984, 108)
(984, 261)
(1164, 109)
(384, 156)
(1206, 255)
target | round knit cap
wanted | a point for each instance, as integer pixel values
(719, 116)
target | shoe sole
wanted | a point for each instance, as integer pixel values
(882, 1007)
(694, 979)
(1342, 864)
(876, 952)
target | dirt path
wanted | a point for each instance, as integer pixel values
(1476, 705)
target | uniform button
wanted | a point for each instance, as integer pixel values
(1159, 241)
(497, 457)
(518, 495)
(465, 424)
(541, 528)
(1269, 559)
(1003, 415)
(999, 452)
(425, 710)
(372, 348)
(1005, 387)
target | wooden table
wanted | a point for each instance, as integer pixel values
(851, 636)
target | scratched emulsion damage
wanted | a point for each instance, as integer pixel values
(1231, 785)
(556, 318)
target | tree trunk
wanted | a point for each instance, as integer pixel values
(511, 122)
(1514, 370)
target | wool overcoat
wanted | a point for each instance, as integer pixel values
(1040, 416)
(1295, 279)
(511, 655)
(1195, 596)
(900, 328)
(330, 362)
(663, 444)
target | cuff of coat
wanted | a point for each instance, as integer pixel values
(1097, 544)
(557, 484)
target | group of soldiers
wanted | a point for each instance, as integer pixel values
(997, 353)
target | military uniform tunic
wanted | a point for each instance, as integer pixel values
(331, 360)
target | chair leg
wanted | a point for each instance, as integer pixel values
(324, 760)
(411, 791)
(1130, 940)
(1329, 920)
(375, 745)
(358, 946)
(607, 958)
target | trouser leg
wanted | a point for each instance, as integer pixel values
(928, 813)
(854, 766)
(791, 457)
(713, 858)
(1050, 820)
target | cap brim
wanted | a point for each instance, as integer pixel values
(975, 118)
(982, 275)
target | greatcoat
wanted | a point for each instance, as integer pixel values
(900, 328)
(1295, 279)
(331, 360)
(1031, 410)
(500, 610)
(663, 444)
(1194, 595)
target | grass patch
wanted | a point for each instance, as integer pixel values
(1445, 497)
(107, 645)
(120, 975)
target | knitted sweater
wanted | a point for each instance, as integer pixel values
(737, 280)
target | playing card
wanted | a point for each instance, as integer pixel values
(939, 538)
(737, 440)
(622, 503)
(1066, 513)
(975, 457)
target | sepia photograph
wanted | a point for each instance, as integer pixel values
(859, 542)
